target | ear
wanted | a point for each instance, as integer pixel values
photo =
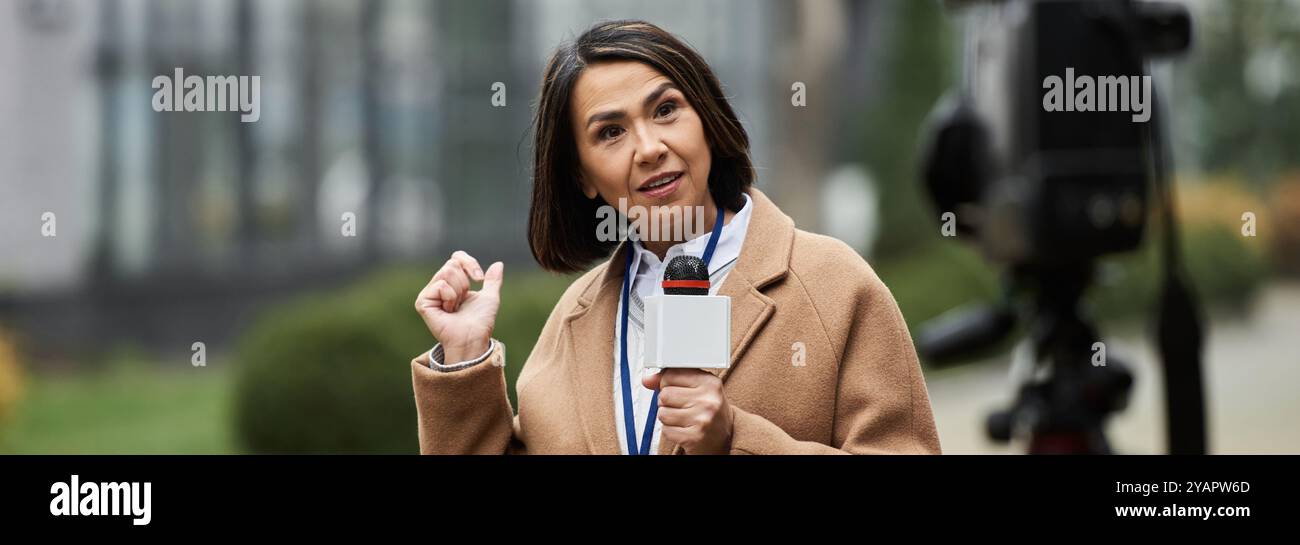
(589, 190)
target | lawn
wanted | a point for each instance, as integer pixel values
(128, 409)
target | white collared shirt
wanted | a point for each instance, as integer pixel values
(649, 271)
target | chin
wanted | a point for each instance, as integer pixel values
(696, 196)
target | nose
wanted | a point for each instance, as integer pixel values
(650, 148)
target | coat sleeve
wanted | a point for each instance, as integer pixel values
(465, 411)
(882, 405)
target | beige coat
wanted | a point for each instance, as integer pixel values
(858, 388)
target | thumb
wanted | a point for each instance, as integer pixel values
(651, 381)
(492, 279)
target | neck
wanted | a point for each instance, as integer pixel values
(660, 248)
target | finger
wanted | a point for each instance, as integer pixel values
(676, 397)
(686, 437)
(492, 280)
(687, 378)
(456, 276)
(431, 297)
(429, 304)
(428, 296)
(433, 292)
(677, 418)
(468, 264)
(651, 381)
(448, 296)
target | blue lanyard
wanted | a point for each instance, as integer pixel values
(629, 416)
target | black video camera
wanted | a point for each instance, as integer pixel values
(1042, 156)
(1045, 157)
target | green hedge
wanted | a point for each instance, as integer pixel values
(331, 373)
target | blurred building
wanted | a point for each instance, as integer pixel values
(174, 225)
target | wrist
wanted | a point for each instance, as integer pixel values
(453, 353)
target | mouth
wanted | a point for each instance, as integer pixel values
(661, 185)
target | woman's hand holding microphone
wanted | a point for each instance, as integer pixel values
(461, 319)
(693, 409)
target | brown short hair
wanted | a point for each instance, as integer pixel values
(562, 221)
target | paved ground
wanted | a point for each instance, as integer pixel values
(1252, 387)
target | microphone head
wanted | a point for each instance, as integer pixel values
(686, 275)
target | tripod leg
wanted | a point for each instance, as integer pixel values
(1179, 336)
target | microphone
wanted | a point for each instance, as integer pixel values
(686, 327)
(686, 275)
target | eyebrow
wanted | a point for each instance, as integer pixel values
(619, 114)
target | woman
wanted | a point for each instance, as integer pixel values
(821, 360)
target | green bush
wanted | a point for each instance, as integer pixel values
(527, 298)
(937, 278)
(1224, 271)
(330, 373)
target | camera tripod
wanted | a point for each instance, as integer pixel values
(1072, 384)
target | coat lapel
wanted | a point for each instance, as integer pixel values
(750, 310)
(591, 335)
(764, 258)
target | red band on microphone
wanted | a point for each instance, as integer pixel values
(686, 284)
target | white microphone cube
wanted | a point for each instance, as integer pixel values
(688, 331)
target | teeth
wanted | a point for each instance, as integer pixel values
(663, 181)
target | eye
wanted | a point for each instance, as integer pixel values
(610, 132)
(666, 109)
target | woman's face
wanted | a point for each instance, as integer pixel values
(634, 129)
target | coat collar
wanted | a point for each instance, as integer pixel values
(591, 323)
